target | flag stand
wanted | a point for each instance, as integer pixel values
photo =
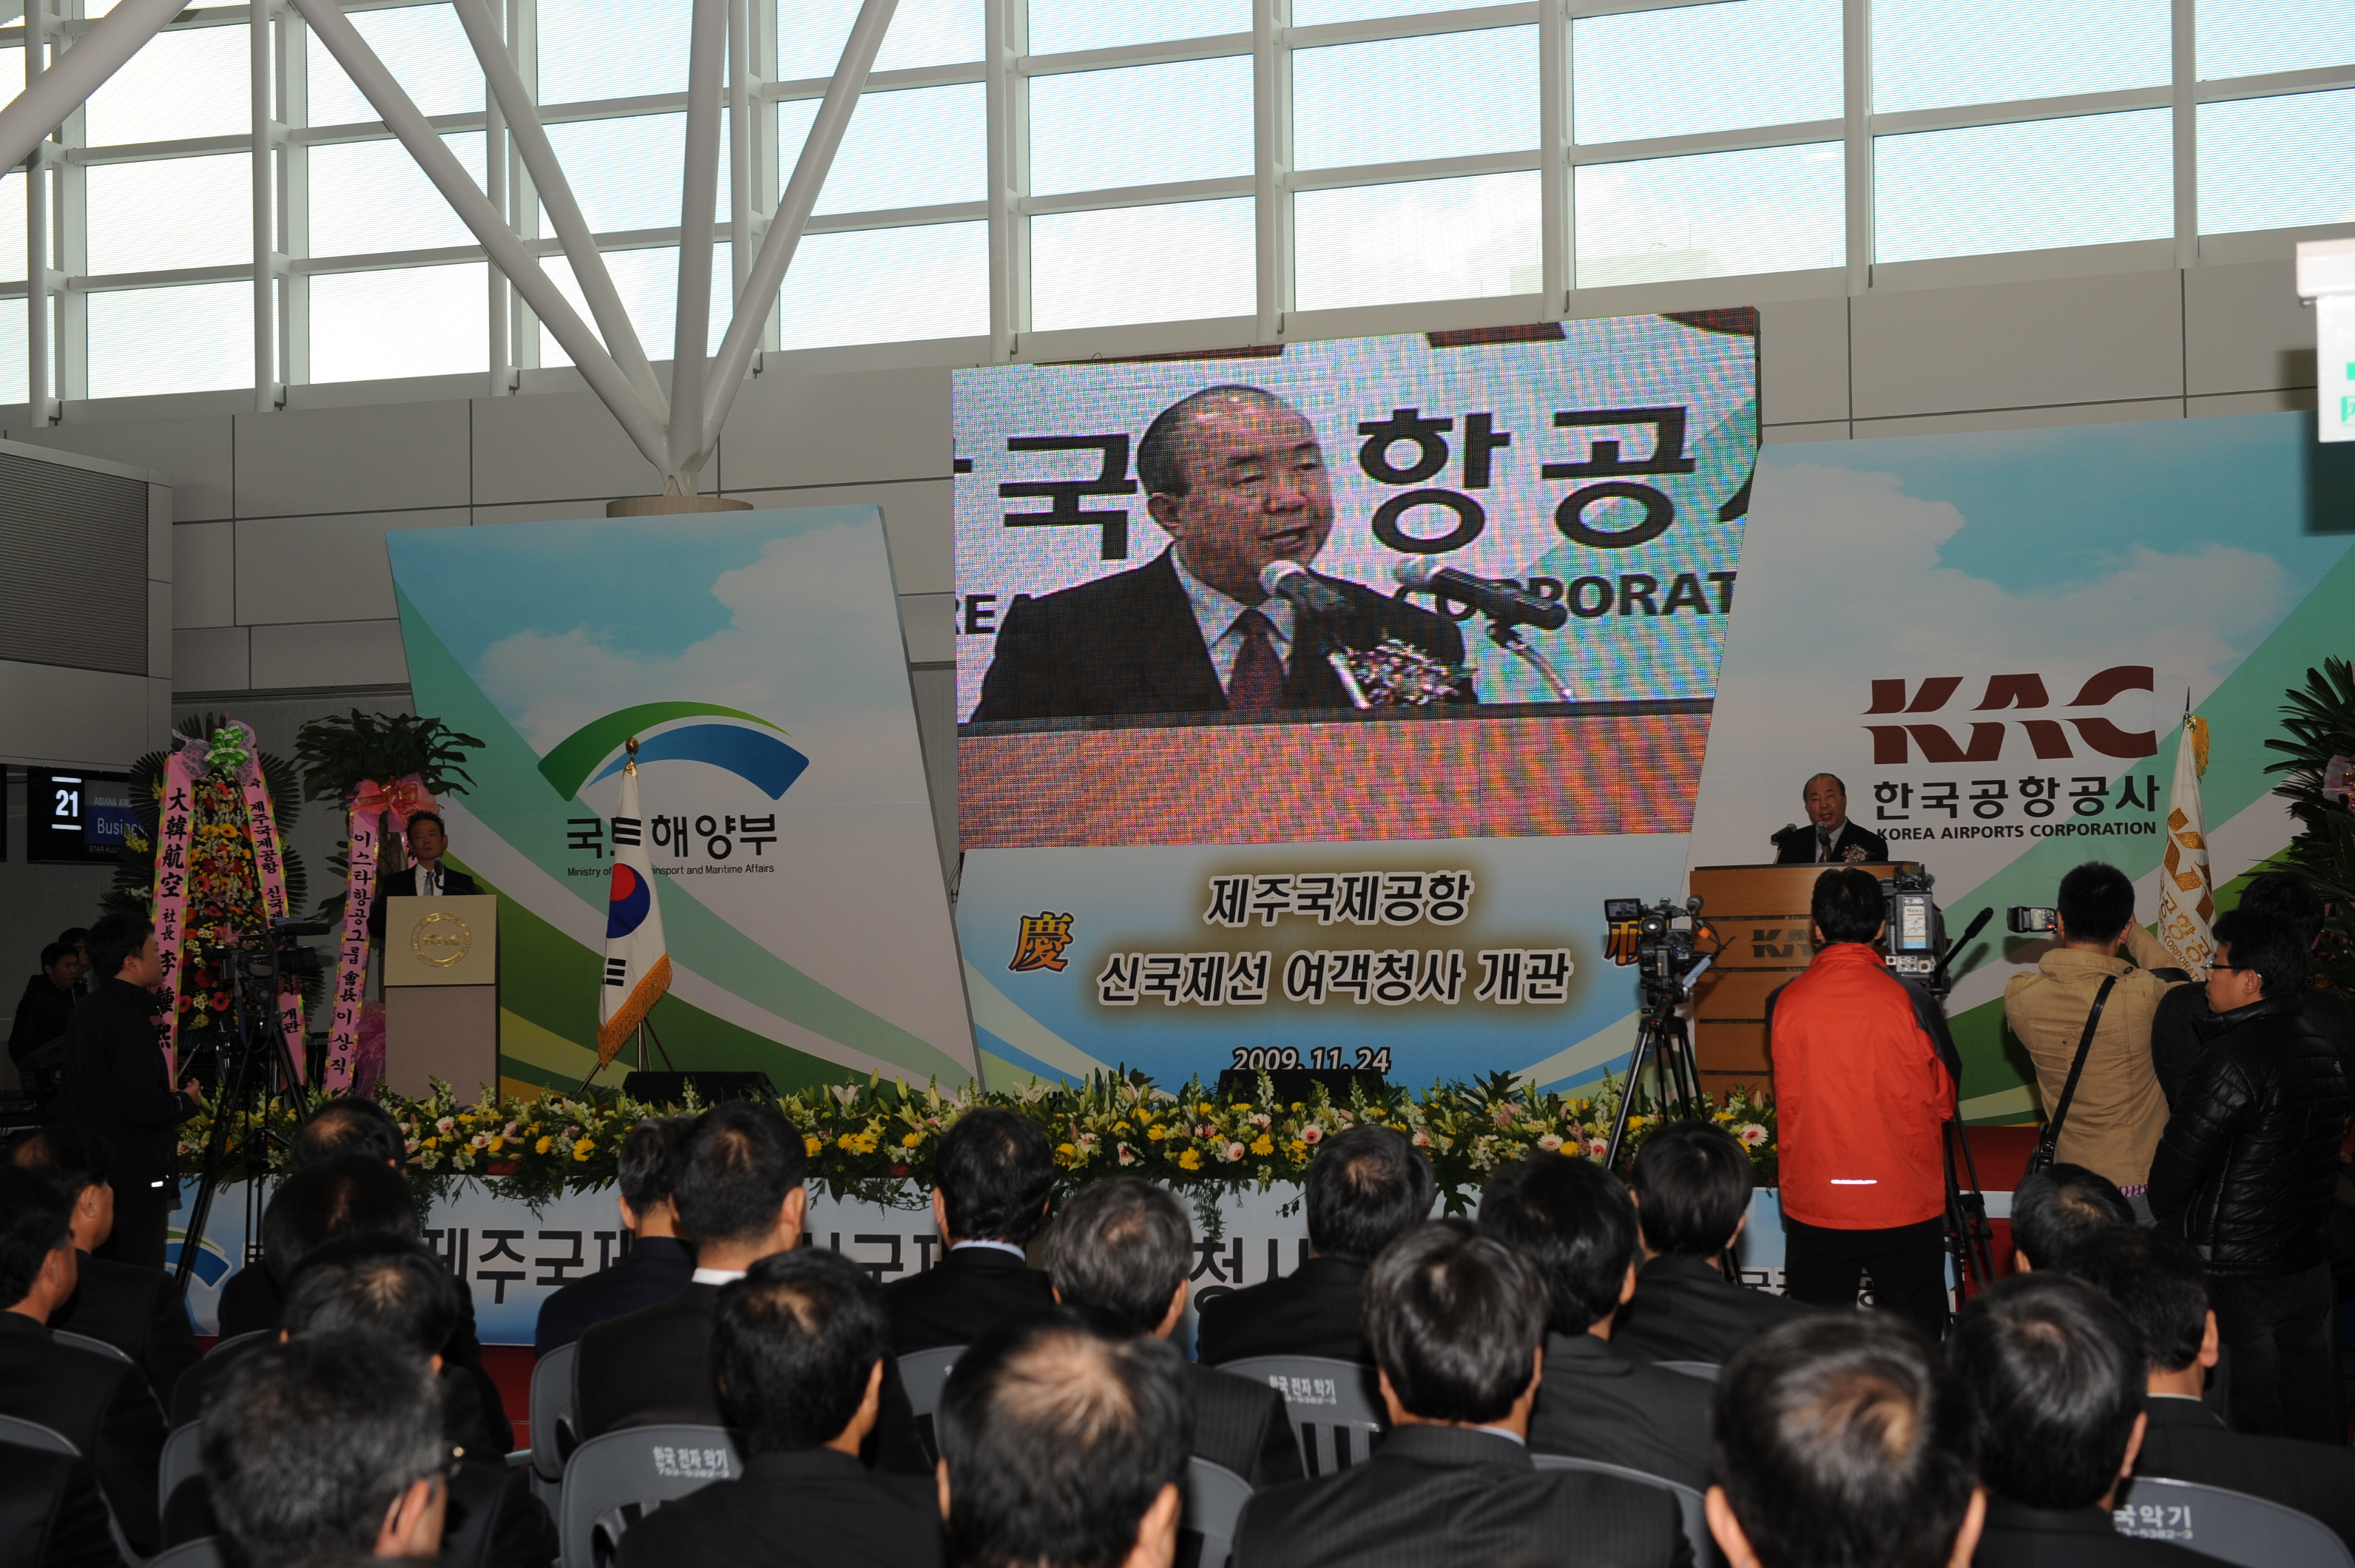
(647, 1032)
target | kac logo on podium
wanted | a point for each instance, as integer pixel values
(441, 939)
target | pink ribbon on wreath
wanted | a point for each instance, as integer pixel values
(270, 870)
(400, 800)
(371, 805)
(175, 829)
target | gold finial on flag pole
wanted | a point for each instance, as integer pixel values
(632, 765)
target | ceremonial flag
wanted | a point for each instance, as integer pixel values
(637, 961)
(2187, 902)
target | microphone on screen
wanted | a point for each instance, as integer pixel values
(1501, 601)
(1301, 589)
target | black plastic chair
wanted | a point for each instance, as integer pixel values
(2234, 1527)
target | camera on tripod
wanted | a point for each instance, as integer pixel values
(264, 963)
(1664, 947)
(1914, 939)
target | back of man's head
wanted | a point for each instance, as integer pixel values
(350, 1126)
(35, 1219)
(1692, 1183)
(1455, 1320)
(648, 1150)
(1366, 1185)
(1847, 905)
(1844, 1442)
(2287, 896)
(2268, 945)
(1571, 1219)
(1059, 1441)
(350, 1195)
(2058, 1375)
(1119, 1251)
(2155, 1278)
(76, 1160)
(307, 1446)
(994, 1172)
(794, 1343)
(385, 1286)
(734, 1170)
(2095, 903)
(116, 938)
(2057, 1211)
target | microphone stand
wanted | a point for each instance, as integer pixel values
(1509, 637)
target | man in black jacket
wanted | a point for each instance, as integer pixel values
(798, 1348)
(1829, 839)
(1571, 1219)
(2179, 1027)
(136, 1311)
(425, 876)
(1692, 1186)
(1119, 1253)
(51, 1515)
(2246, 1172)
(36, 1039)
(1366, 1187)
(117, 1087)
(656, 1264)
(1458, 1321)
(990, 1183)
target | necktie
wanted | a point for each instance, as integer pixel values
(1257, 684)
(1823, 846)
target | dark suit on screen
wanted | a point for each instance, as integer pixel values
(138, 1312)
(810, 1509)
(118, 1089)
(1312, 1311)
(2018, 1537)
(1130, 644)
(654, 1269)
(102, 1406)
(402, 884)
(1799, 848)
(1597, 1403)
(51, 1515)
(962, 1297)
(2186, 1442)
(1244, 1425)
(1685, 1310)
(1441, 1497)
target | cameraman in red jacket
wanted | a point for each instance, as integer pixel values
(1865, 1077)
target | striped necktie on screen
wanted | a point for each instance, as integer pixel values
(1257, 684)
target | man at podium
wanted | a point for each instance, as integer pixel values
(426, 876)
(1829, 839)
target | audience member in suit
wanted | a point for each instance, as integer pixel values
(2059, 1210)
(657, 1264)
(425, 876)
(2156, 1280)
(736, 1183)
(990, 1182)
(1843, 1440)
(1571, 1219)
(1458, 1322)
(102, 1406)
(2057, 1373)
(338, 1129)
(327, 1447)
(1692, 1188)
(50, 1513)
(1366, 1187)
(118, 1088)
(1063, 1446)
(798, 1347)
(1119, 1253)
(136, 1311)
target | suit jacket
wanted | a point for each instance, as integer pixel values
(136, 1311)
(2018, 1537)
(653, 1368)
(1684, 1310)
(962, 1297)
(2186, 1441)
(116, 1087)
(2180, 1030)
(1312, 1311)
(650, 1272)
(1244, 1425)
(1437, 1497)
(51, 1515)
(1799, 848)
(43, 1013)
(101, 1406)
(1130, 644)
(1597, 1403)
(494, 1520)
(402, 884)
(811, 1507)
(250, 1300)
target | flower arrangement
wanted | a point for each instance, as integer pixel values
(876, 1142)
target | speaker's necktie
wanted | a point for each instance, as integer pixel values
(1257, 684)
(1823, 847)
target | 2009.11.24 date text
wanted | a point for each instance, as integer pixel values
(1271, 1059)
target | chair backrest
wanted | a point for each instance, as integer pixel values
(1336, 1406)
(1705, 1370)
(33, 1435)
(1694, 1517)
(551, 1413)
(95, 1346)
(1214, 1505)
(612, 1480)
(203, 1552)
(2233, 1526)
(181, 1460)
(239, 1341)
(925, 1373)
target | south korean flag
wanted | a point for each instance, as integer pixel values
(637, 961)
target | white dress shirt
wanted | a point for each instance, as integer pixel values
(429, 879)
(718, 1276)
(1217, 615)
(994, 1246)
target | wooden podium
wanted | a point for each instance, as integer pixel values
(440, 981)
(1761, 912)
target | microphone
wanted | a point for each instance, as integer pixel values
(1790, 830)
(1501, 601)
(1301, 589)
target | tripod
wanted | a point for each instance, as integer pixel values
(1662, 1038)
(256, 1067)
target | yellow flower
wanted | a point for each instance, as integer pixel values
(811, 1144)
(848, 1141)
(1298, 1151)
(1157, 1134)
(542, 1146)
(1261, 1146)
(1191, 1160)
(911, 1140)
(498, 1143)
(581, 1150)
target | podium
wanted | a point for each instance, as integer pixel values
(440, 977)
(1762, 913)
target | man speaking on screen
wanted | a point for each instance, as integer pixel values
(1234, 475)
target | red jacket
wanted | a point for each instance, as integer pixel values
(1861, 1093)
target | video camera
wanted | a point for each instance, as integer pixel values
(1664, 949)
(264, 963)
(1914, 939)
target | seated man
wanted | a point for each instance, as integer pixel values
(1571, 1219)
(989, 1196)
(102, 1406)
(2057, 1373)
(1693, 1185)
(1119, 1253)
(656, 1265)
(356, 1421)
(2058, 1210)
(339, 1129)
(134, 1309)
(1843, 1440)
(1458, 1322)
(798, 1346)
(51, 1515)
(2156, 1280)
(1064, 1447)
(1365, 1187)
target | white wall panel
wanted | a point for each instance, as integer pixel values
(293, 570)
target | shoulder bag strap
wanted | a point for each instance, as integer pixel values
(2051, 1142)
